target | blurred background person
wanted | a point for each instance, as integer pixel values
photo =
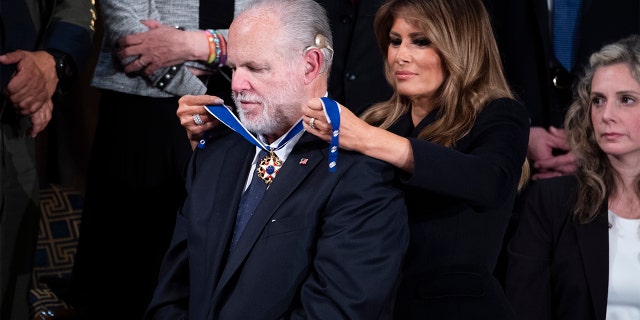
(43, 46)
(357, 77)
(575, 252)
(544, 44)
(152, 53)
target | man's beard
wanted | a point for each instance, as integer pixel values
(279, 112)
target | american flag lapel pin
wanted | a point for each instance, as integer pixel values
(303, 160)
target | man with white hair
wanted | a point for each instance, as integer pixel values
(321, 243)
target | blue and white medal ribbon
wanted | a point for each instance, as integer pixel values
(224, 114)
(271, 163)
(332, 113)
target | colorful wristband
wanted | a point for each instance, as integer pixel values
(211, 39)
(223, 49)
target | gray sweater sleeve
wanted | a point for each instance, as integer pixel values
(121, 18)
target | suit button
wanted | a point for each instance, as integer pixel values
(350, 76)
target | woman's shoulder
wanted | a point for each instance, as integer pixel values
(501, 111)
(552, 191)
(504, 103)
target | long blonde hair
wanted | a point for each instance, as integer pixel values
(461, 32)
(596, 177)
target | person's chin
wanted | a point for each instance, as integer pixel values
(252, 122)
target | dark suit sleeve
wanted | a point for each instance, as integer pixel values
(361, 244)
(71, 29)
(484, 166)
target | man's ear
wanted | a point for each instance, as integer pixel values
(313, 63)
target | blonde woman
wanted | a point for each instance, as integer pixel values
(575, 252)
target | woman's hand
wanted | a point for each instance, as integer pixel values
(352, 128)
(195, 118)
(161, 46)
(357, 135)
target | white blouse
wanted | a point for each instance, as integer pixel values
(624, 268)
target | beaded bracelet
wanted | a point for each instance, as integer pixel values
(223, 49)
(213, 48)
(216, 41)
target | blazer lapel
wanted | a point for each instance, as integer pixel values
(593, 240)
(301, 162)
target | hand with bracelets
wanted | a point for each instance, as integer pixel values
(164, 46)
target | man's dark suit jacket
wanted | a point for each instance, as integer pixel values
(558, 269)
(320, 245)
(522, 31)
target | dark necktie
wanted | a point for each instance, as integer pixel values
(565, 16)
(248, 202)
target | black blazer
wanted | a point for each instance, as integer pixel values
(460, 200)
(558, 269)
(522, 31)
(320, 245)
